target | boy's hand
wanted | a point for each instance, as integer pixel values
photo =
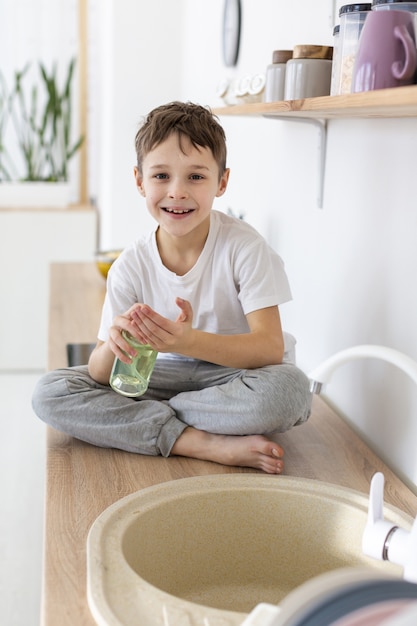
(116, 342)
(161, 333)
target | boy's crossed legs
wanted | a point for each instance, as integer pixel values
(192, 408)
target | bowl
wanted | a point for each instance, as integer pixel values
(105, 259)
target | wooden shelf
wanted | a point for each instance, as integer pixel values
(384, 103)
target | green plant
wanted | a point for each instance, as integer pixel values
(39, 124)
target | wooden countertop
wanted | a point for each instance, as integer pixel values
(82, 480)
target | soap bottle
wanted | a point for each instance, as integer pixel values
(132, 379)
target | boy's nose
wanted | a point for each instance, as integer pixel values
(177, 190)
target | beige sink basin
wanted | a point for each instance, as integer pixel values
(205, 551)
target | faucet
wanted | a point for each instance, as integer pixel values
(323, 373)
(384, 541)
(381, 540)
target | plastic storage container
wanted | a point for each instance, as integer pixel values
(275, 75)
(352, 19)
(396, 5)
(334, 83)
(309, 72)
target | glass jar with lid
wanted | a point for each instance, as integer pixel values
(396, 5)
(352, 19)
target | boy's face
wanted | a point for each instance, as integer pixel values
(180, 185)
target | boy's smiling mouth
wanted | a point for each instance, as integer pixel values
(177, 210)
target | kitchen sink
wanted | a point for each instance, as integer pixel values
(206, 550)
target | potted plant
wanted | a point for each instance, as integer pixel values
(35, 138)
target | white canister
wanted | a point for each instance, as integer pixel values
(308, 73)
(275, 75)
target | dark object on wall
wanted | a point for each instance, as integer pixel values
(232, 21)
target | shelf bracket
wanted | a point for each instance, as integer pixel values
(321, 124)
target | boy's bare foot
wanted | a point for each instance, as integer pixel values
(244, 451)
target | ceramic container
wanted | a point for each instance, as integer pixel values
(308, 73)
(275, 75)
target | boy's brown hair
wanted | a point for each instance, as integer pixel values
(188, 120)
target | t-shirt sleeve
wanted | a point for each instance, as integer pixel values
(263, 281)
(120, 295)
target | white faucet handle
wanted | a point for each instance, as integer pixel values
(377, 529)
(376, 498)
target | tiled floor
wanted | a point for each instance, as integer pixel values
(22, 472)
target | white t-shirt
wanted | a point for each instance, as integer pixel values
(236, 273)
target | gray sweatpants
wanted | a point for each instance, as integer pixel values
(209, 397)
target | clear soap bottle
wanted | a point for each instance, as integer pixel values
(132, 379)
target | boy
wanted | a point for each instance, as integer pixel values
(203, 290)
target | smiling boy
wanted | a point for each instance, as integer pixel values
(203, 289)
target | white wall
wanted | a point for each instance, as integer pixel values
(135, 64)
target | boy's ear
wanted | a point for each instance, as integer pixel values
(223, 183)
(139, 181)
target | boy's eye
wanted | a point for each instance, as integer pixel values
(163, 176)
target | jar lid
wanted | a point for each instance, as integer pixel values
(355, 8)
(374, 2)
(336, 30)
(281, 56)
(312, 52)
